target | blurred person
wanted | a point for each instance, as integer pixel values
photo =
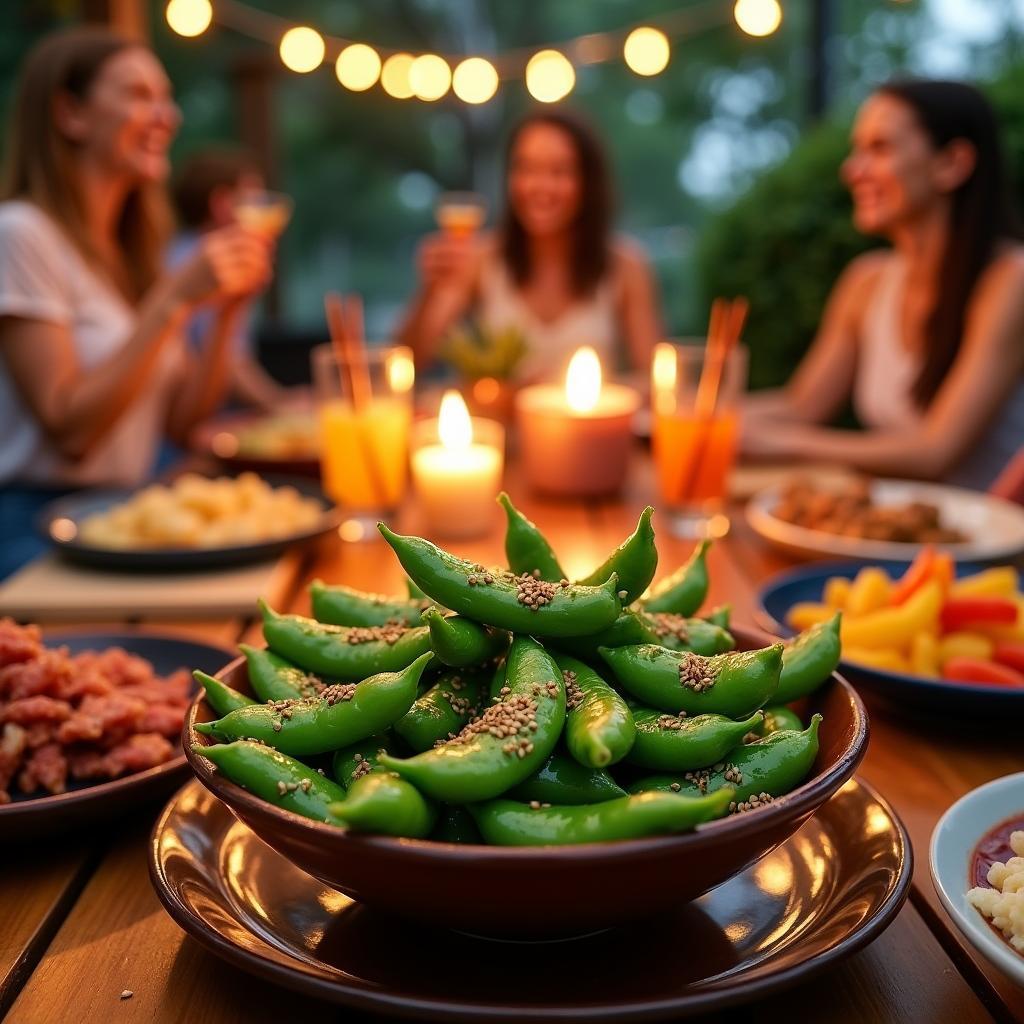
(552, 269)
(205, 189)
(93, 367)
(927, 336)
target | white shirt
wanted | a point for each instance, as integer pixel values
(44, 277)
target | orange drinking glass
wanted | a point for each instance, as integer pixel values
(694, 454)
(460, 213)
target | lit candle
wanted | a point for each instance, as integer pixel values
(576, 440)
(456, 467)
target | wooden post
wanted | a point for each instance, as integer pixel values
(819, 85)
(129, 17)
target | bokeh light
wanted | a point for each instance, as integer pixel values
(475, 80)
(549, 76)
(758, 17)
(302, 49)
(646, 51)
(429, 77)
(394, 76)
(189, 17)
(358, 67)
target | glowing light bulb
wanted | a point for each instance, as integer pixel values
(646, 51)
(358, 67)
(429, 77)
(475, 80)
(583, 380)
(302, 49)
(664, 370)
(394, 76)
(401, 370)
(758, 17)
(454, 427)
(549, 76)
(189, 17)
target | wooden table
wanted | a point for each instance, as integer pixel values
(79, 923)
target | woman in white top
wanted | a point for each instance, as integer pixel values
(928, 336)
(93, 372)
(552, 269)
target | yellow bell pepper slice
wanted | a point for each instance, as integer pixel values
(870, 591)
(1000, 581)
(964, 644)
(924, 654)
(879, 657)
(837, 592)
(896, 627)
(805, 614)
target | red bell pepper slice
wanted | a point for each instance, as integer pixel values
(961, 612)
(1009, 653)
(978, 670)
(928, 565)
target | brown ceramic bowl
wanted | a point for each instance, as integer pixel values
(545, 890)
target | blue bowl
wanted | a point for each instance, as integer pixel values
(900, 689)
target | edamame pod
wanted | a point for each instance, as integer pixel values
(272, 677)
(518, 604)
(634, 561)
(510, 823)
(720, 616)
(444, 710)
(348, 653)
(382, 803)
(506, 745)
(679, 633)
(668, 743)
(526, 548)
(809, 660)
(342, 714)
(277, 778)
(343, 606)
(221, 697)
(628, 629)
(777, 719)
(460, 642)
(734, 685)
(599, 728)
(563, 780)
(455, 825)
(684, 591)
(355, 760)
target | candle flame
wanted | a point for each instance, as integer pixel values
(454, 427)
(401, 370)
(664, 368)
(583, 380)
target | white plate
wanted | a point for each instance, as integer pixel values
(952, 848)
(993, 526)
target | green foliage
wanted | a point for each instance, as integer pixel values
(787, 239)
(476, 352)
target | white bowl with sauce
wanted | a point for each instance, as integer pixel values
(951, 858)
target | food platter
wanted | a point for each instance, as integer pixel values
(994, 527)
(263, 444)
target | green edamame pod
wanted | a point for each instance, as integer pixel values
(628, 629)
(777, 719)
(506, 745)
(342, 714)
(498, 680)
(720, 616)
(460, 642)
(221, 697)
(667, 743)
(735, 685)
(444, 710)
(634, 561)
(349, 653)
(275, 678)
(509, 823)
(526, 548)
(383, 804)
(563, 780)
(809, 660)
(517, 604)
(767, 768)
(599, 728)
(679, 633)
(414, 592)
(355, 760)
(685, 590)
(343, 606)
(275, 777)
(455, 825)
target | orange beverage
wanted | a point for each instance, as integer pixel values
(460, 213)
(264, 213)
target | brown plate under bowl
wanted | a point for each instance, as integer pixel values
(544, 890)
(825, 892)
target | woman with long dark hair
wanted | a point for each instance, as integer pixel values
(927, 336)
(552, 269)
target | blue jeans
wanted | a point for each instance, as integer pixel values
(20, 542)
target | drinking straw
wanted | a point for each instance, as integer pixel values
(347, 338)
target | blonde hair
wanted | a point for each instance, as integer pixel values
(41, 162)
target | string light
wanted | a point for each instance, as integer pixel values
(302, 49)
(549, 76)
(646, 51)
(394, 76)
(358, 67)
(475, 80)
(429, 77)
(189, 17)
(758, 17)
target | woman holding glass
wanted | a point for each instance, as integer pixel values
(93, 369)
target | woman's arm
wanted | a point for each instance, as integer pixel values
(989, 366)
(640, 307)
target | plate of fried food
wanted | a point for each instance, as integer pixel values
(886, 520)
(194, 522)
(90, 722)
(287, 442)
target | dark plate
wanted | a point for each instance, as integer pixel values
(220, 438)
(59, 520)
(827, 891)
(900, 689)
(84, 804)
